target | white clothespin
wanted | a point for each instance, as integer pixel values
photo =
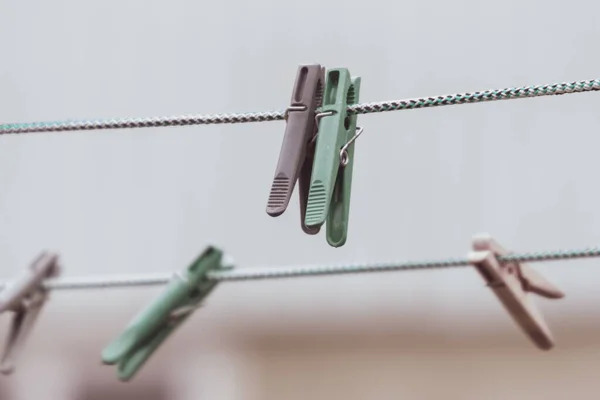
(512, 282)
(25, 297)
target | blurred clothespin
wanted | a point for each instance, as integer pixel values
(512, 282)
(25, 297)
(331, 180)
(298, 147)
(153, 325)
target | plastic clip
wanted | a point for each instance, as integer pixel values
(150, 328)
(512, 282)
(25, 297)
(298, 148)
(331, 181)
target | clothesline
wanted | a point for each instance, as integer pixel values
(263, 273)
(363, 108)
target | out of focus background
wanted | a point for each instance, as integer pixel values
(425, 181)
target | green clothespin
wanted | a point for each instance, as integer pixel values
(331, 180)
(153, 325)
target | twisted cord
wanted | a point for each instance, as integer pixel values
(364, 108)
(150, 122)
(478, 97)
(297, 272)
(246, 274)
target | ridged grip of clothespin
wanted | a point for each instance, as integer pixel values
(331, 137)
(155, 323)
(304, 187)
(512, 282)
(295, 157)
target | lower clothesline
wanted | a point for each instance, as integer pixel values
(263, 273)
(504, 272)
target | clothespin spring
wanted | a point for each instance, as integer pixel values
(344, 152)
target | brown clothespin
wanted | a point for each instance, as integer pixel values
(25, 297)
(512, 282)
(298, 147)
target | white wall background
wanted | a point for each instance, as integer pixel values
(149, 200)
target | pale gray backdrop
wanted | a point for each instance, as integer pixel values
(149, 200)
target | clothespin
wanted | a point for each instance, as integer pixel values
(298, 147)
(331, 180)
(155, 323)
(25, 297)
(512, 282)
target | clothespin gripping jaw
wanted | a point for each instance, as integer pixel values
(297, 149)
(150, 328)
(25, 297)
(512, 282)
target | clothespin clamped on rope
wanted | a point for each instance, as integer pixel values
(182, 296)
(331, 180)
(512, 282)
(298, 147)
(25, 297)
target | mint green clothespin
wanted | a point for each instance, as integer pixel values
(331, 180)
(153, 325)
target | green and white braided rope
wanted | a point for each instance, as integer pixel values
(364, 108)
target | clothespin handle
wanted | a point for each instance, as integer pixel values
(130, 365)
(539, 285)
(304, 188)
(20, 328)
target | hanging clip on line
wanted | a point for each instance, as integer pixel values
(511, 282)
(297, 150)
(331, 181)
(153, 325)
(25, 297)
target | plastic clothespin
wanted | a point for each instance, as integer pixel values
(155, 323)
(298, 148)
(329, 195)
(512, 282)
(25, 297)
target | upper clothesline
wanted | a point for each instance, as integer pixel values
(362, 108)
